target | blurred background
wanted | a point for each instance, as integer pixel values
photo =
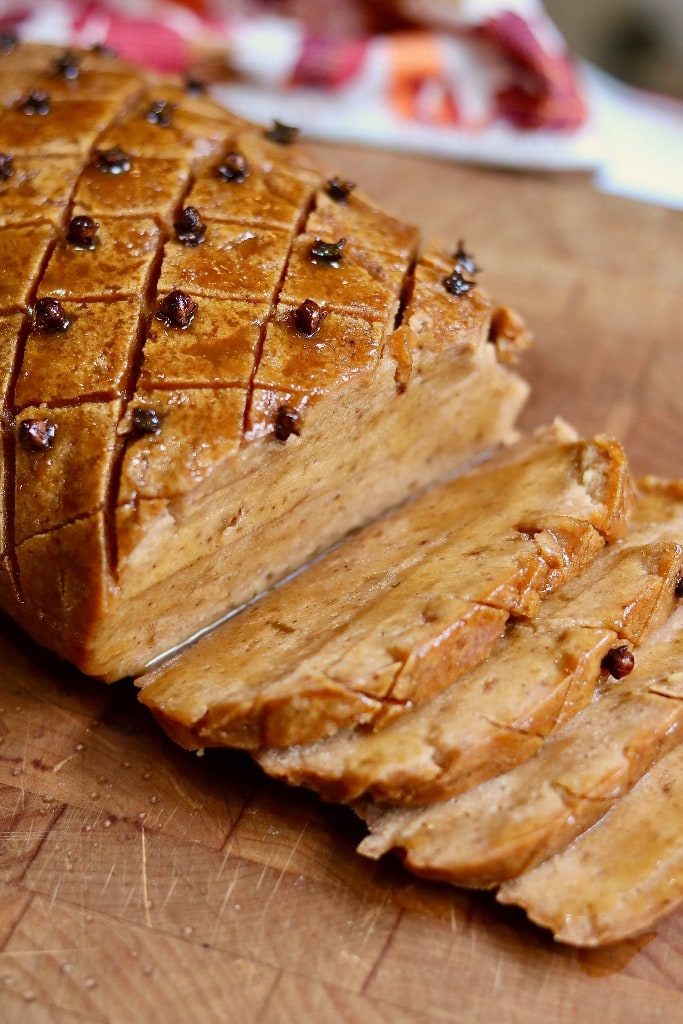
(639, 41)
(489, 81)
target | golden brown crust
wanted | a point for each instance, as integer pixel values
(39, 189)
(509, 334)
(81, 600)
(82, 455)
(23, 250)
(220, 396)
(119, 266)
(90, 362)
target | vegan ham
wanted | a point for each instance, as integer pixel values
(215, 363)
(396, 613)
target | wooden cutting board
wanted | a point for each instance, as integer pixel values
(140, 883)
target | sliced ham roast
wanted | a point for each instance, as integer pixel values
(217, 362)
(393, 615)
(217, 359)
(505, 826)
(620, 877)
(537, 676)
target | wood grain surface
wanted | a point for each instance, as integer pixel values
(140, 883)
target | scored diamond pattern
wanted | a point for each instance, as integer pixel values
(142, 409)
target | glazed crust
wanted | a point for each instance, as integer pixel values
(179, 452)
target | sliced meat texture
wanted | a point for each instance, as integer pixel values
(507, 825)
(537, 676)
(398, 612)
(619, 878)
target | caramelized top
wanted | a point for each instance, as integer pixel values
(204, 281)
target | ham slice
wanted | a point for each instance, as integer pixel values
(619, 878)
(507, 825)
(537, 676)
